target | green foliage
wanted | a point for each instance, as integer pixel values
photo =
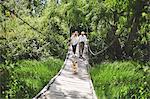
(28, 77)
(126, 21)
(114, 19)
(109, 19)
(19, 41)
(123, 80)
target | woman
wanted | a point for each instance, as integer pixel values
(74, 41)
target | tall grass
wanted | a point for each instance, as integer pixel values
(121, 80)
(28, 77)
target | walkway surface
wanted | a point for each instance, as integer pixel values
(66, 85)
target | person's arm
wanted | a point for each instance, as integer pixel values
(79, 38)
(85, 39)
(69, 42)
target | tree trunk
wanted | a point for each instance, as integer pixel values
(114, 51)
(129, 45)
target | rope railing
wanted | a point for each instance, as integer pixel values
(12, 12)
(100, 52)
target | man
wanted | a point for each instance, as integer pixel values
(82, 41)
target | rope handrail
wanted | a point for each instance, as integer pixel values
(35, 29)
(94, 54)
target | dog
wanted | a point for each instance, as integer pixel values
(74, 65)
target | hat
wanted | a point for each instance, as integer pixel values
(82, 33)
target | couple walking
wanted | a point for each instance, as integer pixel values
(81, 40)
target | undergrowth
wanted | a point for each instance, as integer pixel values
(27, 77)
(121, 80)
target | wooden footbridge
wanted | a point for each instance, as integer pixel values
(66, 84)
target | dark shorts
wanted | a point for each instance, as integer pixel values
(81, 48)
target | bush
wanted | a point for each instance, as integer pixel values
(121, 80)
(28, 77)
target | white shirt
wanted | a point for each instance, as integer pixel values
(82, 38)
(74, 40)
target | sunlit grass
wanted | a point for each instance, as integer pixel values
(28, 77)
(120, 80)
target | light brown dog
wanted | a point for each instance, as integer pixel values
(74, 66)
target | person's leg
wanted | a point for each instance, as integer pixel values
(79, 49)
(82, 47)
(73, 49)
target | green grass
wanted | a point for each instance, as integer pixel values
(28, 77)
(121, 80)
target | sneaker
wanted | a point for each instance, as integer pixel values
(76, 55)
(81, 57)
